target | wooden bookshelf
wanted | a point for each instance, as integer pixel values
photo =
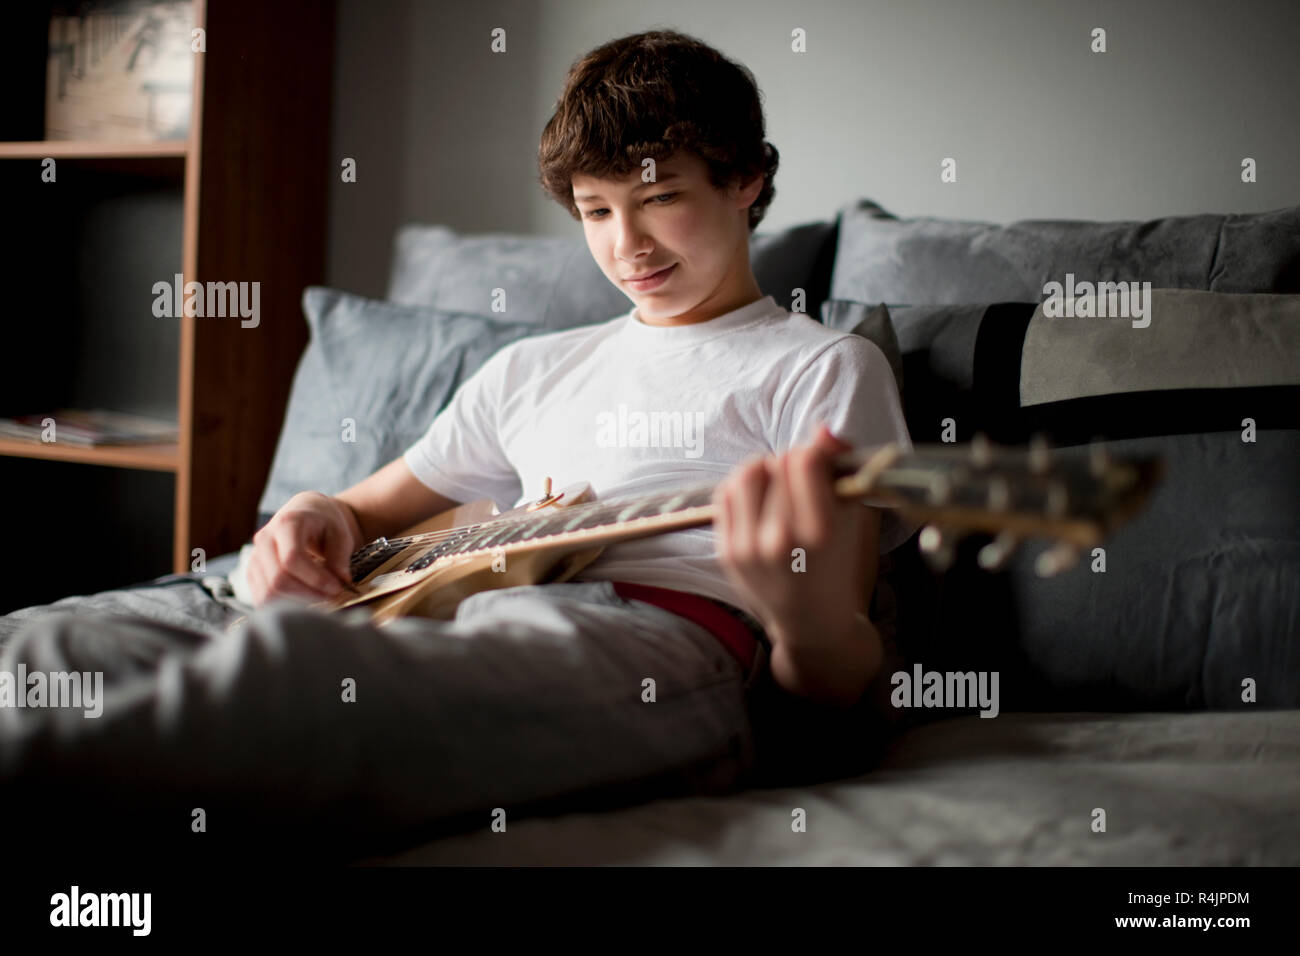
(241, 199)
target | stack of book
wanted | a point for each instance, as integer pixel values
(89, 427)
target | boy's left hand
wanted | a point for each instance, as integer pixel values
(768, 507)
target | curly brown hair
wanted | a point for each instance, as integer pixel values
(651, 95)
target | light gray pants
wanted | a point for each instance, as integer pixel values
(332, 729)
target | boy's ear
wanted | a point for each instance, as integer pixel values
(748, 190)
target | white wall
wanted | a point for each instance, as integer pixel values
(446, 131)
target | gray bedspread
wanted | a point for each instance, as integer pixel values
(1208, 788)
(1020, 789)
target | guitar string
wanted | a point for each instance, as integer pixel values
(601, 512)
(517, 522)
(585, 511)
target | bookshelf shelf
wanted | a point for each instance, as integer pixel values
(158, 457)
(92, 149)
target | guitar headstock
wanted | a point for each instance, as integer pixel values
(1073, 496)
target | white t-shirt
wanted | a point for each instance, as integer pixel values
(577, 406)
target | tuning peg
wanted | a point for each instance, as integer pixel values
(1055, 560)
(1040, 454)
(938, 547)
(940, 489)
(999, 494)
(981, 450)
(994, 555)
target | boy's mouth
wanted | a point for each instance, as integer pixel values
(652, 280)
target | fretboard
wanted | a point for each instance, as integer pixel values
(638, 513)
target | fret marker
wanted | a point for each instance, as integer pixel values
(674, 503)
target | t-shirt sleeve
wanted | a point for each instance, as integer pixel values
(850, 387)
(460, 455)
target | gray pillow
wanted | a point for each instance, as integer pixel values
(1206, 361)
(389, 368)
(871, 322)
(925, 261)
(548, 282)
(555, 284)
(1192, 339)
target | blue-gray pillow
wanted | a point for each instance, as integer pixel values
(376, 373)
(555, 284)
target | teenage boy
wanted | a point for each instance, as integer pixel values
(645, 668)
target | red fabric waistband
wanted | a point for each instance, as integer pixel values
(730, 630)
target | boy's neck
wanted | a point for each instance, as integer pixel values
(721, 303)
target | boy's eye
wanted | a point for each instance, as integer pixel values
(665, 197)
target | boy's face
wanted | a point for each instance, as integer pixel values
(680, 223)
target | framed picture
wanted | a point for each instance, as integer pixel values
(120, 70)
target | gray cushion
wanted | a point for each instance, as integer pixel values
(870, 322)
(1192, 340)
(390, 368)
(548, 282)
(1207, 361)
(555, 284)
(922, 261)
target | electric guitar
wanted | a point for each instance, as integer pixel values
(1073, 497)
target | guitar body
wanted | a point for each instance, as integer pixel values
(439, 590)
(439, 594)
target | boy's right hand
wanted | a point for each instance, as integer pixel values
(303, 551)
